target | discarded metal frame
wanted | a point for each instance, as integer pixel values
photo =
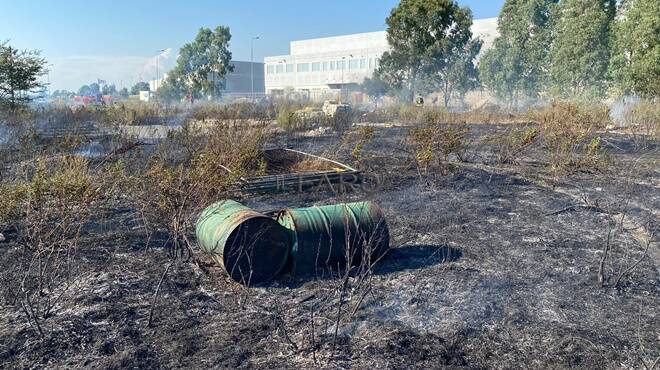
(336, 173)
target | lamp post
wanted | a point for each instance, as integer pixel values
(157, 75)
(48, 84)
(343, 66)
(341, 90)
(252, 64)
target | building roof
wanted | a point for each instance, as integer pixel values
(486, 29)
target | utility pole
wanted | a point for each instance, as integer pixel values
(252, 64)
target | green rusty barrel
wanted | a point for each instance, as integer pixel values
(251, 247)
(330, 237)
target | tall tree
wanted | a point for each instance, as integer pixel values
(422, 34)
(580, 50)
(635, 63)
(514, 68)
(20, 71)
(203, 63)
(459, 73)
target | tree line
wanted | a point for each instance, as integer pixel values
(569, 49)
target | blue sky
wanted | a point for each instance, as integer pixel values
(118, 40)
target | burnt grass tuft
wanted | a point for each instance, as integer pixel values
(494, 264)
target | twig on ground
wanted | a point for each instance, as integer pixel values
(153, 301)
(601, 267)
(634, 265)
(575, 206)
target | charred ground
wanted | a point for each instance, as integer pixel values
(492, 265)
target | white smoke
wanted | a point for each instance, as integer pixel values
(162, 62)
(124, 71)
(620, 110)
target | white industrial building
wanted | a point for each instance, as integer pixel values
(325, 66)
(246, 78)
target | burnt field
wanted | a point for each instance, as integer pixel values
(499, 259)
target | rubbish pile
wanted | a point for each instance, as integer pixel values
(254, 248)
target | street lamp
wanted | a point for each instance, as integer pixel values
(252, 64)
(48, 84)
(157, 75)
(343, 66)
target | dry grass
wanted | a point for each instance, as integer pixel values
(409, 114)
(48, 203)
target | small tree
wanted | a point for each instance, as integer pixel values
(458, 73)
(109, 90)
(203, 63)
(123, 93)
(375, 88)
(140, 86)
(19, 75)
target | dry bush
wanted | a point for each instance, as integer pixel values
(191, 170)
(234, 110)
(137, 113)
(48, 203)
(357, 139)
(512, 143)
(410, 114)
(645, 117)
(568, 134)
(435, 143)
(291, 121)
(298, 120)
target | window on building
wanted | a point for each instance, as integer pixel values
(363, 63)
(332, 65)
(279, 68)
(302, 67)
(325, 66)
(289, 67)
(341, 64)
(316, 66)
(353, 64)
(270, 69)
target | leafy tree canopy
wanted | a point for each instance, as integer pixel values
(20, 72)
(635, 63)
(423, 36)
(514, 69)
(580, 50)
(201, 66)
(140, 86)
(375, 87)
